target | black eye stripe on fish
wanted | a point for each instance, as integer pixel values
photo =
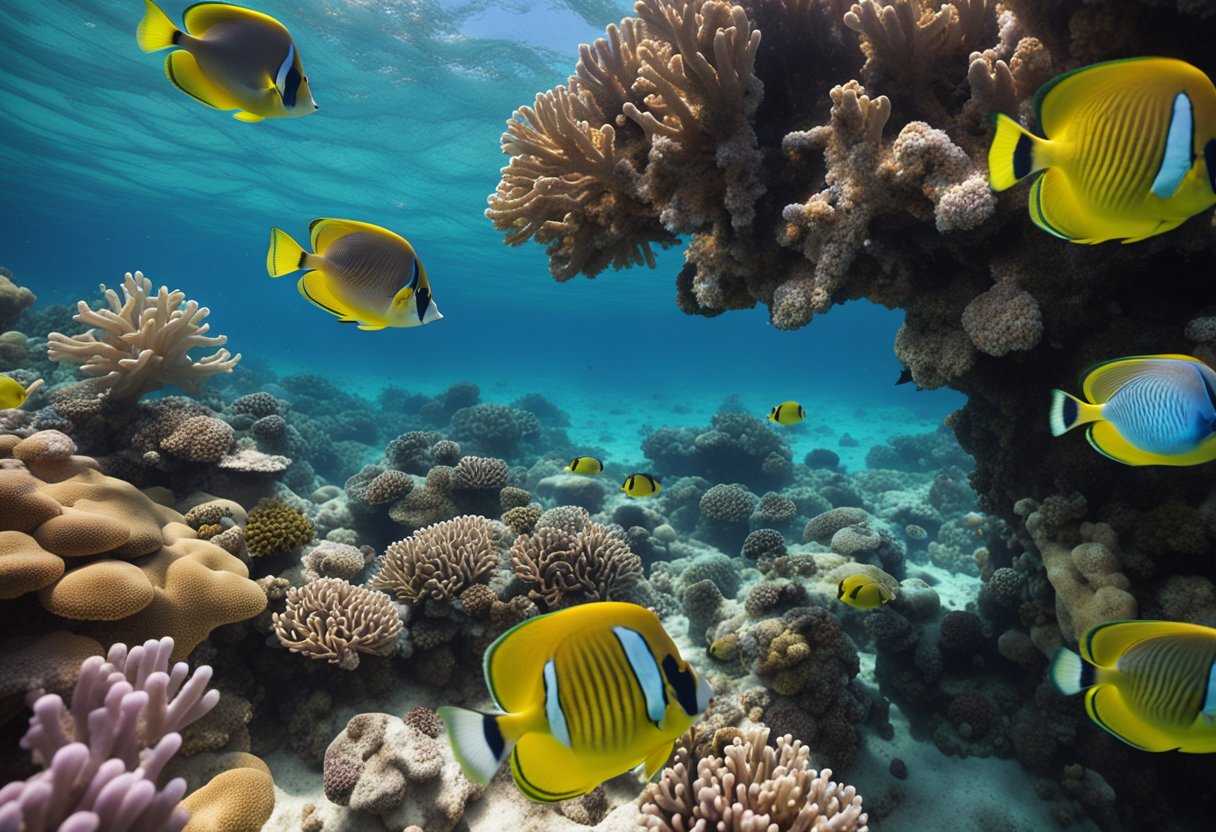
(1209, 158)
(683, 682)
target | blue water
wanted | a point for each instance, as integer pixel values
(106, 168)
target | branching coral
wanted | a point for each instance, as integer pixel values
(333, 620)
(565, 567)
(752, 787)
(437, 561)
(142, 342)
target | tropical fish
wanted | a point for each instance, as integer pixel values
(588, 465)
(361, 273)
(588, 693)
(13, 393)
(905, 376)
(641, 485)
(787, 413)
(863, 591)
(1130, 150)
(1144, 410)
(1150, 683)
(230, 58)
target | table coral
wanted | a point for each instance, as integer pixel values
(142, 341)
(752, 787)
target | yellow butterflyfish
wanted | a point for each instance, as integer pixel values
(13, 393)
(587, 465)
(864, 591)
(641, 485)
(787, 413)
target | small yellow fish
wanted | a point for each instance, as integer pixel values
(863, 591)
(1144, 410)
(13, 394)
(588, 692)
(230, 58)
(641, 485)
(1150, 683)
(787, 413)
(1130, 150)
(360, 272)
(588, 465)
(725, 649)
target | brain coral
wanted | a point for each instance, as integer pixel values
(276, 527)
(494, 428)
(100, 553)
(438, 561)
(333, 620)
(727, 504)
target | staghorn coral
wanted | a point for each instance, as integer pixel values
(333, 620)
(142, 342)
(752, 787)
(564, 567)
(437, 561)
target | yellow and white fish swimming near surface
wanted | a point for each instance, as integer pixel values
(587, 465)
(359, 272)
(231, 58)
(865, 591)
(641, 485)
(787, 413)
(588, 692)
(13, 393)
(1150, 683)
(1144, 410)
(1130, 150)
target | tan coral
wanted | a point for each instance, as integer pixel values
(332, 620)
(240, 799)
(565, 567)
(142, 341)
(437, 561)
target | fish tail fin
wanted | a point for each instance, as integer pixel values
(285, 254)
(478, 741)
(1067, 411)
(156, 31)
(1015, 153)
(1069, 673)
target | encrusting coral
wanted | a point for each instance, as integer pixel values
(752, 787)
(102, 756)
(334, 620)
(142, 341)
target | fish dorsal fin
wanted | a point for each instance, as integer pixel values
(325, 232)
(1178, 154)
(1105, 643)
(317, 289)
(1055, 102)
(514, 663)
(1101, 381)
(202, 16)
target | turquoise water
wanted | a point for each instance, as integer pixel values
(108, 168)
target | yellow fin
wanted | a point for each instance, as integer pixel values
(546, 771)
(1053, 205)
(284, 255)
(372, 327)
(1104, 644)
(514, 663)
(1102, 381)
(1106, 440)
(325, 232)
(315, 287)
(156, 31)
(242, 115)
(655, 760)
(184, 72)
(202, 16)
(1014, 154)
(1106, 707)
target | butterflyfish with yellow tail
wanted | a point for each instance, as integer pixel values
(588, 693)
(230, 58)
(586, 465)
(641, 485)
(1130, 150)
(1144, 410)
(358, 272)
(13, 393)
(863, 591)
(1150, 683)
(787, 413)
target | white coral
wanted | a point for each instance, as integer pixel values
(142, 342)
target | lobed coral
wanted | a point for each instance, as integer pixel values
(437, 561)
(142, 342)
(333, 620)
(564, 567)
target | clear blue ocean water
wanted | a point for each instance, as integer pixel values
(107, 168)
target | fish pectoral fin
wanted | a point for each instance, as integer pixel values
(1106, 707)
(202, 16)
(184, 72)
(656, 759)
(317, 290)
(244, 115)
